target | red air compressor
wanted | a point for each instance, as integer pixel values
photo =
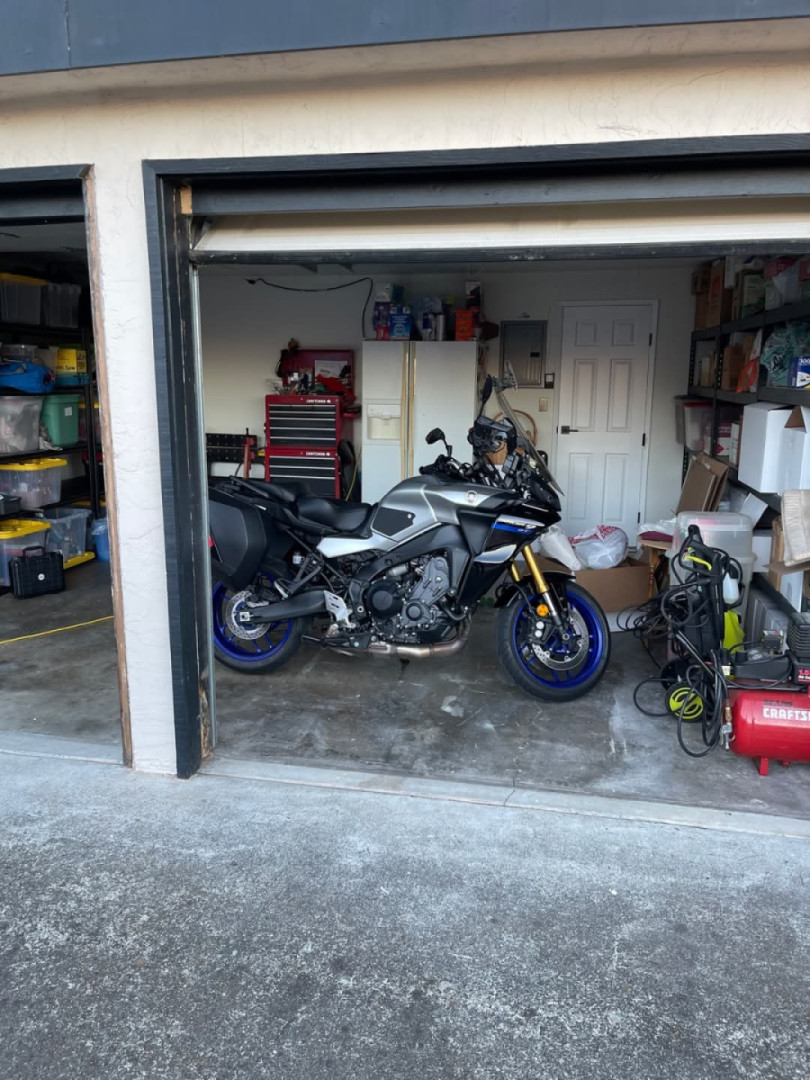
(771, 724)
(751, 700)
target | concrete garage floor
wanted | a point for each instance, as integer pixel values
(463, 719)
(459, 719)
(63, 684)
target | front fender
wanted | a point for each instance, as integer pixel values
(557, 579)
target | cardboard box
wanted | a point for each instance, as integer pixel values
(722, 448)
(777, 550)
(702, 310)
(760, 465)
(790, 583)
(795, 453)
(781, 281)
(733, 363)
(804, 277)
(720, 298)
(389, 293)
(734, 450)
(703, 484)
(620, 587)
(400, 322)
(700, 279)
(750, 294)
(465, 325)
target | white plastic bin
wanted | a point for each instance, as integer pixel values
(19, 424)
(38, 483)
(690, 422)
(726, 530)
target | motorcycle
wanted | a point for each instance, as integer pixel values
(403, 578)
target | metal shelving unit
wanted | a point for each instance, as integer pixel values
(762, 320)
(24, 334)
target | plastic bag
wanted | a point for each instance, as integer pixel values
(601, 548)
(554, 544)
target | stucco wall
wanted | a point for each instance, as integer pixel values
(662, 94)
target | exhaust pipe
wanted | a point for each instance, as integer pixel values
(421, 652)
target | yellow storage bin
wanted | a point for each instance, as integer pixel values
(16, 535)
(37, 483)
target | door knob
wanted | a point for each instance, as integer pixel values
(566, 430)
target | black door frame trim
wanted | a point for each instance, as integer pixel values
(168, 229)
(51, 193)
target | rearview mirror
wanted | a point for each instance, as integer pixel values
(437, 435)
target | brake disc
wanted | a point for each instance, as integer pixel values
(243, 631)
(553, 659)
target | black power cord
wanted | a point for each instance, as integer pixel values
(690, 616)
(324, 289)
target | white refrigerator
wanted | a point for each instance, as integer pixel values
(408, 388)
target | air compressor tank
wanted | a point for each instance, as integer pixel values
(771, 724)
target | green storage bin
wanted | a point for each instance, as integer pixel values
(60, 416)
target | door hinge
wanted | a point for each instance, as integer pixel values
(644, 439)
(650, 341)
(638, 518)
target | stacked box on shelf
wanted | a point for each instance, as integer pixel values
(302, 434)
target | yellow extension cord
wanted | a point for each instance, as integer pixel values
(58, 630)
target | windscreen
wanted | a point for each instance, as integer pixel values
(523, 439)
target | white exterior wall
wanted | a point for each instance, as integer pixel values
(364, 101)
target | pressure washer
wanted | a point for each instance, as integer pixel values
(749, 697)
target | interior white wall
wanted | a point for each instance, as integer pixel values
(245, 326)
(647, 86)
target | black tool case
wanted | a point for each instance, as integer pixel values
(36, 572)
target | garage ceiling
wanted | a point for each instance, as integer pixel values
(62, 239)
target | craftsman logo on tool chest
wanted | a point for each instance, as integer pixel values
(774, 712)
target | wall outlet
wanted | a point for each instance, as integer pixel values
(542, 404)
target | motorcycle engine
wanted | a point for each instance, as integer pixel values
(405, 600)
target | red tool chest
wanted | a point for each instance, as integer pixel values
(318, 469)
(302, 434)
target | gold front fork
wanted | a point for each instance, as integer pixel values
(547, 605)
(537, 574)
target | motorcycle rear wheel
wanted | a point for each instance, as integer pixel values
(545, 672)
(268, 651)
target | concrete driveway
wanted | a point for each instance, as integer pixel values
(224, 928)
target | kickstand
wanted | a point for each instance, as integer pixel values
(403, 667)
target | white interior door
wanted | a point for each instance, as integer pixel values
(604, 373)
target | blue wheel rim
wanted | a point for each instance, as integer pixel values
(559, 678)
(247, 651)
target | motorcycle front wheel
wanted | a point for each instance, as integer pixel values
(552, 669)
(268, 646)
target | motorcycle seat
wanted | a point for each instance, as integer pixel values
(340, 517)
(268, 489)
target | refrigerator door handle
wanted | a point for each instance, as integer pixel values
(411, 405)
(404, 413)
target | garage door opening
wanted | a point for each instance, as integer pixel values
(58, 655)
(609, 344)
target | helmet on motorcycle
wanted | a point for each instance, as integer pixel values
(490, 436)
